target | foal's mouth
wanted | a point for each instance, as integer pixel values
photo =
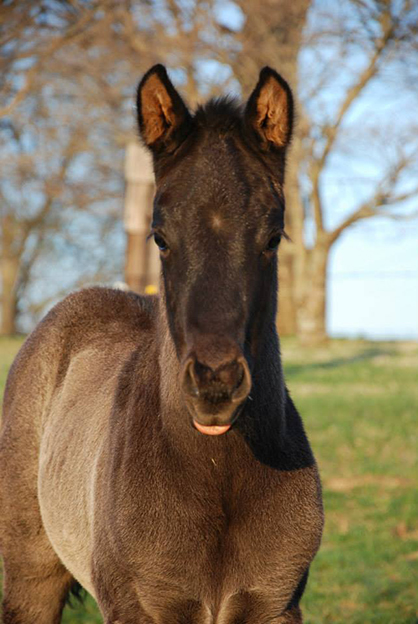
(212, 430)
(218, 428)
(214, 414)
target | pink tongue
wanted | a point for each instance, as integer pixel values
(211, 430)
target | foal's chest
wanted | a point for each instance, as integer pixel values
(224, 546)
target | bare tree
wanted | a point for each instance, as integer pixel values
(345, 51)
(68, 76)
(69, 72)
(46, 134)
(375, 38)
(44, 193)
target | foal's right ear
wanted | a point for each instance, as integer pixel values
(164, 121)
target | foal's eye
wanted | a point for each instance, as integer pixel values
(274, 242)
(160, 242)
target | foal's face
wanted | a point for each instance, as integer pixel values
(218, 220)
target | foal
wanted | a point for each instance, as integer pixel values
(150, 450)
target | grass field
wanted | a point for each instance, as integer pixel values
(359, 401)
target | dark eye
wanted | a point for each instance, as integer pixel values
(274, 242)
(160, 242)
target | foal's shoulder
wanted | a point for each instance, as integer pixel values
(98, 309)
(108, 302)
(96, 315)
(93, 318)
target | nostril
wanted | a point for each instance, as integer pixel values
(243, 386)
(190, 383)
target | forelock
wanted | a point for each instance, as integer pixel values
(220, 114)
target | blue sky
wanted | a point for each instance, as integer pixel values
(373, 283)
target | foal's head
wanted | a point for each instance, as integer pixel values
(218, 220)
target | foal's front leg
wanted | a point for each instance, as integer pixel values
(168, 615)
(250, 607)
(124, 607)
(293, 616)
(130, 613)
(119, 604)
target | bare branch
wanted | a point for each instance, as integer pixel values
(44, 54)
(374, 208)
(331, 131)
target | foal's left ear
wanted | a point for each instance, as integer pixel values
(269, 110)
(163, 118)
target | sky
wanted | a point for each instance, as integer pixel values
(373, 284)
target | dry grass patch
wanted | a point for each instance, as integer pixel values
(347, 484)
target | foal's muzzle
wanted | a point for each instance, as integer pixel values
(215, 393)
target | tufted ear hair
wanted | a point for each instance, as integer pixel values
(163, 118)
(269, 110)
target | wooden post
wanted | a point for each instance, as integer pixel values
(142, 260)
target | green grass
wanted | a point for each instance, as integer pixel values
(359, 404)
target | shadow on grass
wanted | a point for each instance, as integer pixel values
(292, 370)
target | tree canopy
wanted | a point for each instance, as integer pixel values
(69, 71)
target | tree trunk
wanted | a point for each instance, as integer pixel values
(291, 253)
(9, 270)
(286, 316)
(311, 317)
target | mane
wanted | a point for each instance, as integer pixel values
(223, 113)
